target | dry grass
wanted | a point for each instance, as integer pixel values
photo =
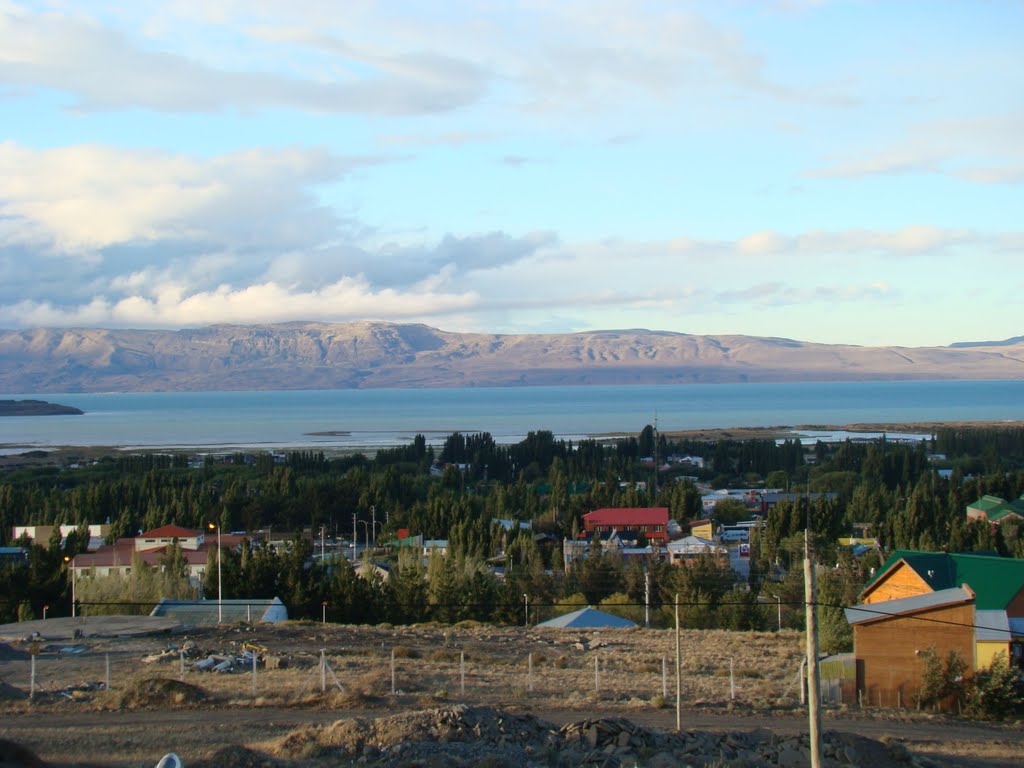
(468, 662)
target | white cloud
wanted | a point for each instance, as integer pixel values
(347, 299)
(983, 150)
(382, 60)
(84, 198)
(106, 70)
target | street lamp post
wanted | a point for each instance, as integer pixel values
(71, 567)
(366, 532)
(45, 609)
(220, 592)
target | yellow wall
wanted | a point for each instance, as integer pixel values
(705, 531)
(987, 650)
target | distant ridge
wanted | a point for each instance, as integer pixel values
(376, 354)
(1016, 340)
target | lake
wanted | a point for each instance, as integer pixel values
(372, 418)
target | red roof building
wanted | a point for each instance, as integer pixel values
(160, 537)
(650, 521)
(198, 549)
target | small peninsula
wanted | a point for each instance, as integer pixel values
(36, 408)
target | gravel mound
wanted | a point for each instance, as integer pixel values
(457, 736)
(162, 692)
(13, 754)
(236, 757)
(7, 653)
(8, 692)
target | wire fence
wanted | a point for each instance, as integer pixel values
(569, 674)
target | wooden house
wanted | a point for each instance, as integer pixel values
(934, 601)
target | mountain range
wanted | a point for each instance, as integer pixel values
(378, 354)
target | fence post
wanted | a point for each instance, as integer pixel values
(462, 672)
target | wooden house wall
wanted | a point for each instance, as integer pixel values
(902, 581)
(890, 652)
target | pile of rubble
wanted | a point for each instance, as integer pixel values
(240, 659)
(623, 742)
(463, 735)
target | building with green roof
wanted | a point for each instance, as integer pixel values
(995, 509)
(918, 602)
(995, 581)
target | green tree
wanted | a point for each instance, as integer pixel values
(995, 693)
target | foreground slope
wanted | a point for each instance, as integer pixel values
(371, 354)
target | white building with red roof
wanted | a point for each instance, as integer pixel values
(165, 534)
(150, 547)
(652, 522)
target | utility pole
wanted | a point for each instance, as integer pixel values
(813, 679)
(647, 599)
(654, 494)
(679, 672)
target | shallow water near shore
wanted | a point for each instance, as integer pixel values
(347, 419)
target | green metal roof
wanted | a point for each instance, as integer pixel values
(987, 503)
(994, 580)
(996, 508)
(1010, 508)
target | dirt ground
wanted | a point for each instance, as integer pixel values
(160, 701)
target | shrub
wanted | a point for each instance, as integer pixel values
(441, 655)
(942, 682)
(995, 692)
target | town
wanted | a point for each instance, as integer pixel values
(635, 529)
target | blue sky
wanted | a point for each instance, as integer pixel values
(842, 172)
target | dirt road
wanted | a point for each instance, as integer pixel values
(131, 738)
